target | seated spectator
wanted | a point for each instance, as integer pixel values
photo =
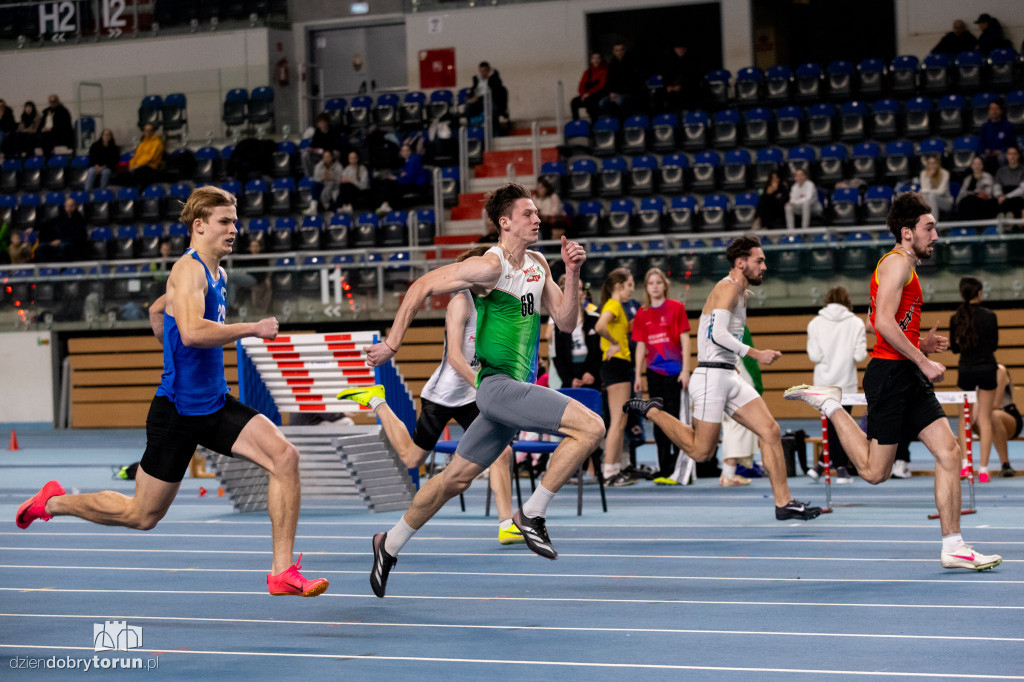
(354, 189)
(975, 200)
(624, 82)
(22, 142)
(682, 79)
(591, 88)
(64, 238)
(994, 136)
(934, 182)
(956, 41)
(252, 159)
(56, 129)
(803, 199)
(771, 206)
(408, 185)
(991, 36)
(144, 167)
(323, 138)
(488, 79)
(104, 155)
(19, 250)
(553, 221)
(1009, 185)
(327, 177)
(7, 122)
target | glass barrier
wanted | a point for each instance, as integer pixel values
(324, 287)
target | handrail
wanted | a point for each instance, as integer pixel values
(438, 209)
(463, 160)
(535, 136)
(488, 121)
(559, 108)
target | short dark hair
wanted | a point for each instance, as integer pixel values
(741, 248)
(907, 208)
(500, 202)
(485, 64)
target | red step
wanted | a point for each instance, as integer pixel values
(496, 162)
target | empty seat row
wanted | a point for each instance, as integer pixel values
(389, 110)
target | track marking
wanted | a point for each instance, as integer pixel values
(560, 664)
(536, 599)
(684, 631)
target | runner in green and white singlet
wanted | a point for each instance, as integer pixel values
(510, 285)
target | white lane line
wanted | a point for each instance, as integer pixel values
(360, 624)
(583, 600)
(490, 539)
(561, 664)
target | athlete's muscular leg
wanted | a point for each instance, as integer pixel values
(986, 399)
(455, 478)
(1002, 426)
(152, 499)
(700, 441)
(500, 478)
(264, 444)
(617, 395)
(398, 435)
(873, 460)
(583, 430)
(941, 442)
(756, 417)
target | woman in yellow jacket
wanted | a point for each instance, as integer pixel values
(617, 368)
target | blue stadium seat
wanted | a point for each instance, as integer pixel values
(282, 236)
(840, 77)
(1015, 108)
(832, 164)
(284, 159)
(650, 219)
(725, 130)
(175, 113)
(789, 125)
(716, 83)
(820, 118)
(385, 110)
(282, 196)
(394, 229)
(694, 131)
(587, 222)
(619, 221)
(951, 109)
(634, 135)
(979, 108)
(100, 208)
(688, 265)
(577, 135)
(736, 170)
(964, 150)
(844, 206)
(778, 80)
(856, 253)
(820, 258)
(968, 69)
(787, 261)
(8, 204)
(52, 205)
(871, 77)
(885, 119)
(903, 75)
(802, 157)
(125, 243)
(26, 213)
(681, 215)
(917, 117)
(178, 235)
(664, 131)
(56, 169)
(808, 83)
(605, 136)
(335, 109)
(899, 157)
(748, 86)
(766, 161)
(756, 127)
(234, 111)
(261, 106)
(440, 104)
(32, 174)
(581, 179)
(338, 230)
(705, 171)
(151, 111)
(864, 161)
(876, 204)
(100, 239)
(254, 198)
(853, 121)
(149, 241)
(410, 114)
(364, 233)
(642, 172)
(126, 205)
(713, 213)
(936, 75)
(1001, 65)
(672, 174)
(744, 210)
(360, 112)
(552, 171)
(935, 145)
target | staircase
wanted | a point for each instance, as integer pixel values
(516, 149)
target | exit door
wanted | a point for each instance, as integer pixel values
(357, 60)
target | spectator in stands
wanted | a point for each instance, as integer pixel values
(991, 36)
(327, 178)
(144, 167)
(956, 41)
(408, 185)
(19, 249)
(934, 181)
(591, 88)
(771, 206)
(322, 139)
(662, 334)
(617, 368)
(624, 82)
(7, 122)
(974, 335)
(553, 221)
(682, 79)
(22, 141)
(1009, 184)
(104, 155)
(577, 356)
(975, 200)
(63, 239)
(803, 199)
(354, 189)
(995, 136)
(487, 79)
(836, 342)
(56, 128)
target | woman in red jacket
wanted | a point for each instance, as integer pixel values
(592, 85)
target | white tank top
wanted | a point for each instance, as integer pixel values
(707, 349)
(446, 386)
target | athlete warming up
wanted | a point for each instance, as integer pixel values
(509, 284)
(192, 405)
(898, 381)
(716, 388)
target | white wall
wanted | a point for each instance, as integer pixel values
(535, 45)
(26, 383)
(920, 24)
(203, 65)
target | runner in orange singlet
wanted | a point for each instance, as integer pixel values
(898, 381)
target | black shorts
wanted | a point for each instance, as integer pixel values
(970, 379)
(433, 418)
(901, 401)
(616, 371)
(1012, 410)
(171, 438)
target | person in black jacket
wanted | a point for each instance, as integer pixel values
(7, 122)
(488, 79)
(578, 353)
(992, 36)
(956, 41)
(104, 155)
(771, 205)
(63, 239)
(624, 83)
(56, 128)
(974, 334)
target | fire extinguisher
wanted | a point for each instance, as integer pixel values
(283, 76)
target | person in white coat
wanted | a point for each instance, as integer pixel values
(836, 342)
(803, 199)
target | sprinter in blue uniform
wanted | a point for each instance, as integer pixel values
(192, 405)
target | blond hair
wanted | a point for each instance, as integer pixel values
(201, 203)
(664, 280)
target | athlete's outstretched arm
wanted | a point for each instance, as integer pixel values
(454, 330)
(477, 274)
(185, 300)
(721, 302)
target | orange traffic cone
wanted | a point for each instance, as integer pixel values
(220, 492)
(14, 441)
(202, 491)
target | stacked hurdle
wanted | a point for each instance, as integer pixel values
(296, 374)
